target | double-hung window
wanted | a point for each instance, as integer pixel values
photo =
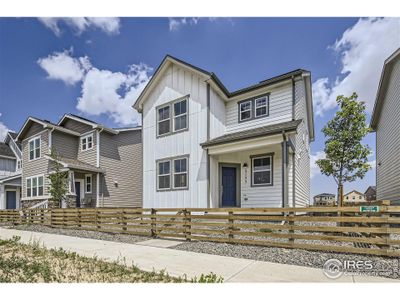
(34, 148)
(172, 173)
(87, 142)
(245, 110)
(261, 170)
(180, 115)
(88, 184)
(34, 186)
(164, 175)
(172, 118)
(180, 173)
(261, 107)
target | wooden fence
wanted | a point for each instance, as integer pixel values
(312, 228)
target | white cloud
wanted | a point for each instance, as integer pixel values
(314, 169)
(3, 130)
(362, 50)
(103, 91)
(61, 66)
(372, 163)
(176, 23)
(108, 25)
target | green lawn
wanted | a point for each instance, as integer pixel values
(32, 263)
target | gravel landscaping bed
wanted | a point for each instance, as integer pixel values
(122, 238)
(385, 267)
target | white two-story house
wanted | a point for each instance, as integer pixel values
(207, 147)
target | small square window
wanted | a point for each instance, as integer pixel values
(87, 142)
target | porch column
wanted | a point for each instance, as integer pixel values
(2, 197)
(285, 172)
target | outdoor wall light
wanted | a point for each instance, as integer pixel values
(115, 183)
(245, 166)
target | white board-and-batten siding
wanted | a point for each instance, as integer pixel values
(175, 83)
(388, 140)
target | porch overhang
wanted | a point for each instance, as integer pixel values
(74, 164)
(251, 139)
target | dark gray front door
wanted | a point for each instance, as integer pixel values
(11, 197)
(229, 187)
(78, 193)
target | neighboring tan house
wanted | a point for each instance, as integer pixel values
(354, 196)
(385, 122)
(104, 165)
(10, 172)
(325, 199)
(204, 146)
(370, 193)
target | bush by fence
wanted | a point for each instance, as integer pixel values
(344, 229)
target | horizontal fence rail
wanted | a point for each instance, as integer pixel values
(343, 229)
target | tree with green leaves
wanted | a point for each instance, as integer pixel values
(58, 180)
(346, 157)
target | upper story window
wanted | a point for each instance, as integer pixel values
(257, 107)
(87, 142)
(34, 148)
(245, 110)
(261, 170)
(34, 186)
(172, 117)
(19, 164)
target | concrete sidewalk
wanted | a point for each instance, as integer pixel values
(151, 255)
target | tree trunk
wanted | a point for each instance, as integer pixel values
(340, 195)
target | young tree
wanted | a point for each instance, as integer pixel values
(346, 158)
(58, 180)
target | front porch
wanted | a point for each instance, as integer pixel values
(82, 189)
(256, 172)
(10, 192)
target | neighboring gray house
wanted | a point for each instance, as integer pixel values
(10, 172)
(104, 164)
(204, 146)
(386, 123)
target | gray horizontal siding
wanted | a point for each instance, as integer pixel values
(77, 126)
(121, 158)
(66, 145)
(388, 141)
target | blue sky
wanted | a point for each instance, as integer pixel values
(47, 65)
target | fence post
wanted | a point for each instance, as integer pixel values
(187, 226)
(124, 223)
(291, 224)
(79, 218)
(231, 226)
(153, 223)
(386, 236)
(98, 221)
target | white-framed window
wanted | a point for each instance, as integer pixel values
(181, 173)
(88, 183)
(87, 142)
(245, 110)
(180, 115)
(34, 148)
(34, 186)
(19, 164)
(173, 117)
(164, 175)
(261, 169)
(164, 120)
(261, 107)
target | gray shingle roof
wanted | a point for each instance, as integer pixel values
(5, 150)
(77, 164)
(253, 133)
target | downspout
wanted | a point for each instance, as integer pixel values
(208, 138)
(285, 186)
(50, 145)
(293, 98)
(98, 165)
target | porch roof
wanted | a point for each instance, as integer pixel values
(253, 133)
(77, 165)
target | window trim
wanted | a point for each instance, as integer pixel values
(179, 173)
(253, 107)
(252, 157)
(86, 183)
(34, 152)
(172, 173)
(172, 116)
(83, 137)
(37, 186)
(250, 110)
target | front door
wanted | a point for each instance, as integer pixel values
(228, 182)
(11, 197)
(78, 193)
